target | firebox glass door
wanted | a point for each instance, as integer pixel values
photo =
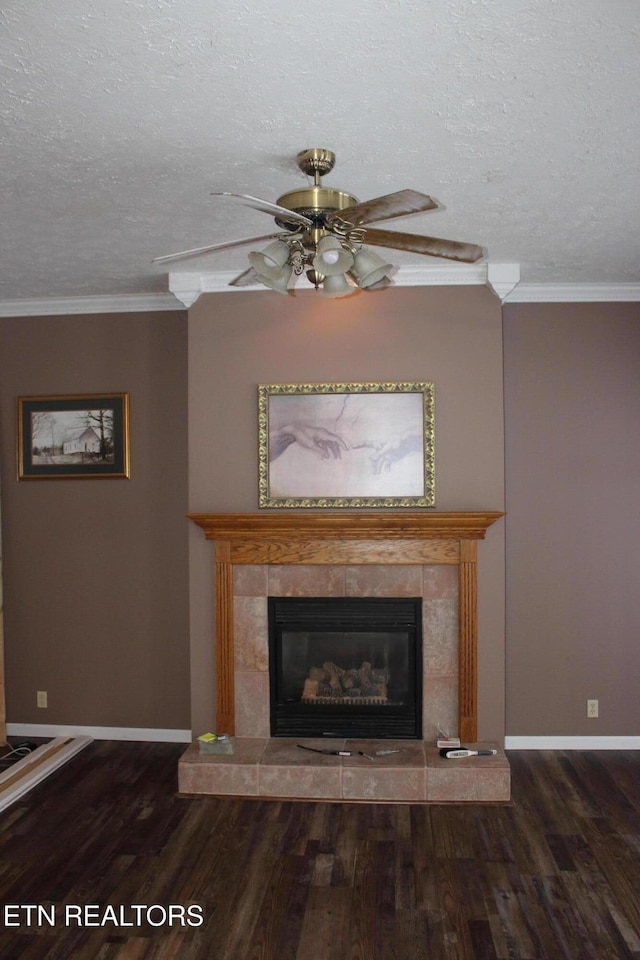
(342, 668)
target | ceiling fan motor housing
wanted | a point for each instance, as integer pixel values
(315, 202)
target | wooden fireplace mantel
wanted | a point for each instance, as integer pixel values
(347, 538)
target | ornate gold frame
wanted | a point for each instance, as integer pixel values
(425, 499)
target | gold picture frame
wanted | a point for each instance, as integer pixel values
(73, 437)
(334, 445)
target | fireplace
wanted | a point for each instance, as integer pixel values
(345, 543)
(345, 667)
(430, 556)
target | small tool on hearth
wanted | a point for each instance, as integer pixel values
(328, 753)
(337, 753)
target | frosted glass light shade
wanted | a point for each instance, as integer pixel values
(279, 283)
(331, 258)
(368, 268)
(272, 257)
(378, 285)
(271, 265)
(336, 286)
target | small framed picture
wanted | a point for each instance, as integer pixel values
(346, 445)
(73, 437)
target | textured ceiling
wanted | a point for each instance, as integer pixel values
(119, 117)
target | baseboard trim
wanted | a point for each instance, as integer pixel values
(572, 743)
(150, 734)
(32, 769)
(154, 735)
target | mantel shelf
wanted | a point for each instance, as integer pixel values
(351, 526)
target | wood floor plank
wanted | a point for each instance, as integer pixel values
(448, 919)
(325, 932)
(540, 928)
(408, 938)
(291, 912)
(510, 923)
(482, 940)
(363, 903)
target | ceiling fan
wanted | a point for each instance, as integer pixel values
(323, 232)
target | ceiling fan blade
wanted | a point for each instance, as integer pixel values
(272, 208)
(212, 248)
(430, 246)
(245, 279)
(391, 205)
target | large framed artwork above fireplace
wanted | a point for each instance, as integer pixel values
(427, 555)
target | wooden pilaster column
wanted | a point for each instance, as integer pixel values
(225, 709)
(468, 642)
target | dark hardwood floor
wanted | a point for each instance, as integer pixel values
(554, 875)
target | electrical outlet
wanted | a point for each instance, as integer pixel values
(592, 708)
(41, 698)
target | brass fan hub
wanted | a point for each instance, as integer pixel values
(315, 202)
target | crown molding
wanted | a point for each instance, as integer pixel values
(187, 286)
(59, 306)
(574, 293)
(502, 278)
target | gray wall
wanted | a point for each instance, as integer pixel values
(572, 399)
(95, 571)
(452, 336)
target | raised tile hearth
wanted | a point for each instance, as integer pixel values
(279, 769)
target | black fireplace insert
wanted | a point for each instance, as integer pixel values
(346, 667)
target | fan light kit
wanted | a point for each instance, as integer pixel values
(323, 232)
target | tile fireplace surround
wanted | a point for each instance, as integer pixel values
(432, 555)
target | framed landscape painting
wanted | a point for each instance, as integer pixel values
(73, 437)
(346, 445)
